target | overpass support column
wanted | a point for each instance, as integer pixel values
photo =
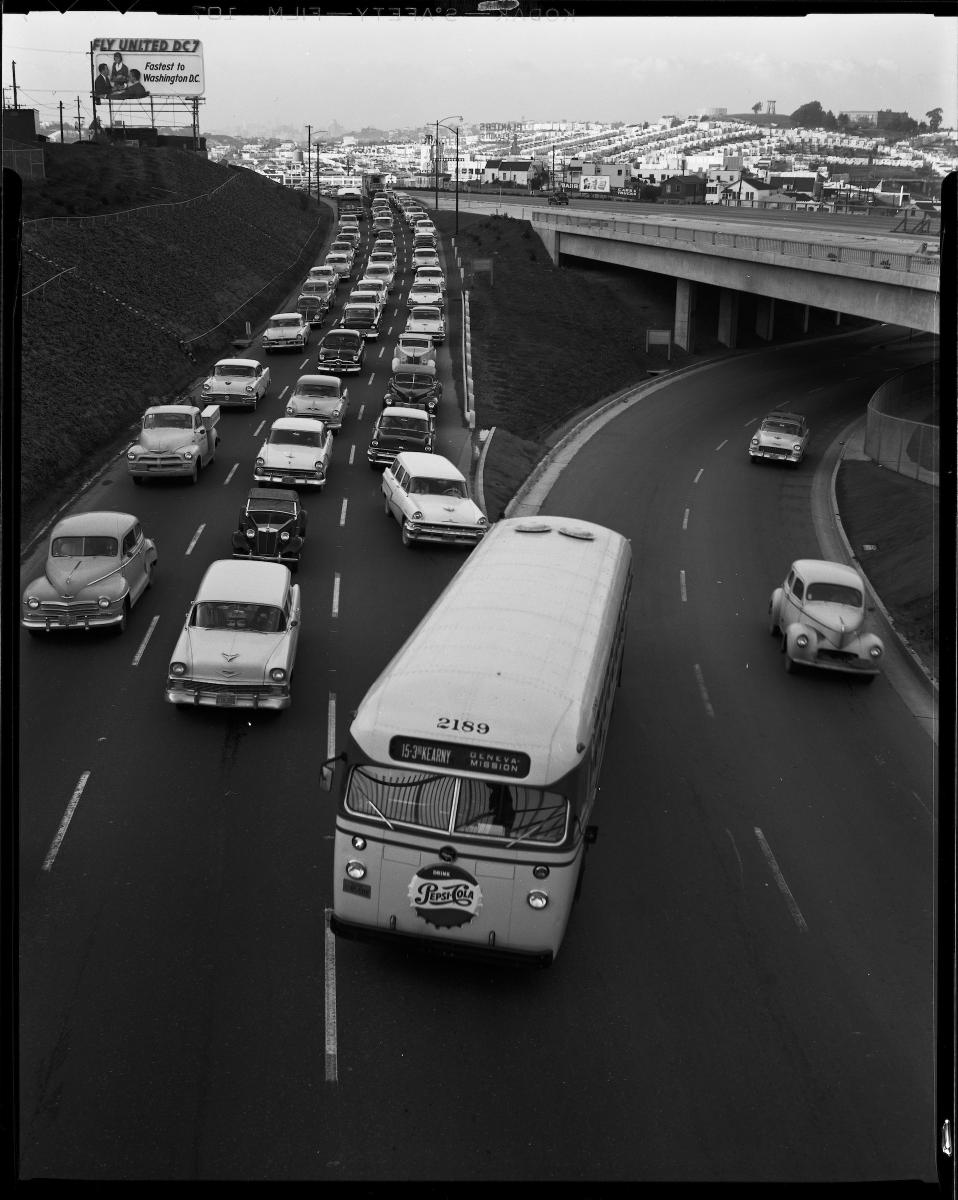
(728, 318)
(685, 314)
(765, 318)
(806, 317)
(550, 239)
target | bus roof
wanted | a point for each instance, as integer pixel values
(518, 641)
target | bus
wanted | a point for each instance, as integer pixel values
(349, 203)
(373, 182)
(472, 765)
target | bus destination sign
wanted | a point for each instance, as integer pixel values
(484, 760)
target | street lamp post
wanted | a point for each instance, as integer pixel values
(451, 117)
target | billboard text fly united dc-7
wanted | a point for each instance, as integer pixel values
(128, 68)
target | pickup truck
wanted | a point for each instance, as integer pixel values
(174, 440)
(237, 381)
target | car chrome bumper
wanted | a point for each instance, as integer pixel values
(57, 621)
(289, 480)
(195, 696)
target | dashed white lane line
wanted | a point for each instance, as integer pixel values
(233, 469)
(685, 519)
(372, 374)
(703, 691)
(286, 388)
(780, 880)
(342, 514)
(698, 475)
(721, 444)
(65, 822)
(352, 453)
(196, 538)
(144, 643)
(335, 608)
(329, 988)
(362, 409)
(259, 428)
(682, 590)
(382, 351)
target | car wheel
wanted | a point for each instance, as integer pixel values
(406, 539)
(773, 628)
(791, 666)
(386, 508)
(196, 472)
(149, 576)
(120, 626)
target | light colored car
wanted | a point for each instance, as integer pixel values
(237, 648)
(323, 397)
(430, 275)
(98, 565)
(428, 496)
(424, 258)
(426, 293)
(398, 429)
(362, 315)
(351, 234)
(237, 382)
(426, 318)
(386, 258)
(296, 454)
(342, 246)
(376, 284)
(364, 295)
(174, 440)
(413, 348)
(818, 614)
(286, 331)
(330, 274)
(342, 263)
(782, 436)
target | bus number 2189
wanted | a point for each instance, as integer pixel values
(463, 726)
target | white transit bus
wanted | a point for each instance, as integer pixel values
(472, 764)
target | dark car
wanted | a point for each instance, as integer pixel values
(272, 527)
(342, 351)
(558, 198)
(414, 386)
(399, 429)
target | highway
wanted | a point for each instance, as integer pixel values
(745, 990)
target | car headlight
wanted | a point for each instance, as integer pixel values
(374, 442)
(802, 640)
(537, 899)
(250, 388)
(33, 602)
(355, 870)
(278, 674)
(417, 516)
(875, 652)
(319, 467)
(187, 454)
(261, 462)
(177, 668)
(251, 533)
(482, 521)
(206, 386)
(754, 441)
(131, 455)
(284, 536)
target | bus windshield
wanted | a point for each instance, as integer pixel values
(452, 805)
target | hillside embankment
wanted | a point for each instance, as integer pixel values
(123, 308)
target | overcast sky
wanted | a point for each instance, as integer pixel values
(389, 72)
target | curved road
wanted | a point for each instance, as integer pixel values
(745, 990)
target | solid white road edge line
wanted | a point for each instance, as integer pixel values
(780, 880)
(196, 538)
(143, 644)
(65, 822)
(332, 1054)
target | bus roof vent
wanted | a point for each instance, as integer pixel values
(584, 535)
(533, 527)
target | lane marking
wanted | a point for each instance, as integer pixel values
(780, 880)
(335, 611)
(329, 987)
(196, 538)
(741, 870)
(65, 822)
(682, 586)
(342, 514)
(232, 471)
(362, 409)
(382, 351)
(751, 421)
(286, 388)
(331, 726)
(352, 453)
(143, 644)
(259, 428)
(699, 475)
(703, 691)
(721, 444)
(685, 520)
(301, 365)
(372, 374)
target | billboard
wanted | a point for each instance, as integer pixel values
(594, 183)
(130, 68)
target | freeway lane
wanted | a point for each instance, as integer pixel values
(173, 977)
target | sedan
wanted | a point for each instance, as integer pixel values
(818, 615)
(322, 397)
(271, 527)
(427, 318)
(98, 565)
(296, 453)
(782, 436)
(426, 293)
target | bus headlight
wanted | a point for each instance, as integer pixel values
(540, 871)
(358, 842)
(537, 900)
(802, 640)
(355, 870)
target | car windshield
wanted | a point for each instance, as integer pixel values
(407, 379)
(284, 322)
(789, 427)
(401, 424)
(269, 516)
(295, 437)
(168, 420)
(316, 389)
(316, 287)
(338, 341)
(833, 593)
(365, 311)
(450, 805)
(84, 547)
(254, 618)
(424, 486)
(415, 343)
(379, 270)
(237, 372)
(425, 314)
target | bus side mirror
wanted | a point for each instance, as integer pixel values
(326, 777)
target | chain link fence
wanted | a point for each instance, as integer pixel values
(902, 426)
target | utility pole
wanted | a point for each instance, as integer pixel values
(14, 66)
(309, 159)
(61, 122)
(79, 121)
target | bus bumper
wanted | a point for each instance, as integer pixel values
(471, 951)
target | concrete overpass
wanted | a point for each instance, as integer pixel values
(878, 276)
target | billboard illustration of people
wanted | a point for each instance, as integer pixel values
(131, 68)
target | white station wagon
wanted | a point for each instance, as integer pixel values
(238, 644)
(818, 614)
(427, 495)
(295, 454)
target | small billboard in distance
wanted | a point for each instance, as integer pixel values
(131, 68)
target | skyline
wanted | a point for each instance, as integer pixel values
(369, 71)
